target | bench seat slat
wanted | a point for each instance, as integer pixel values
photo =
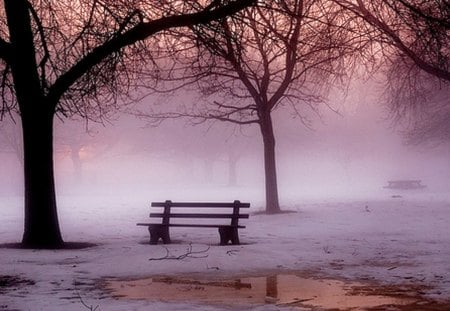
(190, 225)
(197, 215)
(200, 204)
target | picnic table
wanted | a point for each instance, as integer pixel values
(405, 184)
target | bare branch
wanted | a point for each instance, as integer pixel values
(46, 55)
(397, 36)
(138, 33)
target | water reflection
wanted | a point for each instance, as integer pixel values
(283, 290)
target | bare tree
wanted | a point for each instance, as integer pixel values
(411, 37)
(280, 54)
(82, 143)
(412, 94)
(407, 30)
(78, 58)
(10, 138)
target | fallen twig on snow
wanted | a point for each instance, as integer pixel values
(232, 252)
(91, 307)
(212, 268)
(392, 268)
(189, 254)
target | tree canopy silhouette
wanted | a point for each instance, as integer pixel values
(276, 55)
(81, 58)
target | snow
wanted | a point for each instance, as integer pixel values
(376, 238)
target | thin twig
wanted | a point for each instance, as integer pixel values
(189, 254)
(232, 252)
(91, 307)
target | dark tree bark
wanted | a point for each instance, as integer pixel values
(41, 220)
(270, 168)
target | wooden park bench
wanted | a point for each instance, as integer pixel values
(201, 213)
(405, 184)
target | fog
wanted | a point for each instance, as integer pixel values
(349, 154)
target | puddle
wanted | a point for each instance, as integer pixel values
(282, 290)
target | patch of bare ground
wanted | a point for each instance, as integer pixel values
(8, 282)
(64, 246)
(417, 306)
(409, 292)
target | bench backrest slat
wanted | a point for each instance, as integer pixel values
(196, 215)
(168, 213)
(200, 204)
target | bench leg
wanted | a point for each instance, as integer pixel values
(159, 232)
(228, 234)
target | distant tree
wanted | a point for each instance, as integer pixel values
(82, 144)
(78, 58)
(235, 150)
(10, 138)
(212, 146)
(280, 54)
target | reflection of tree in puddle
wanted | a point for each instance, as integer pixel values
(272, 286)
(285, 290)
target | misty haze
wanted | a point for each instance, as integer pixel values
(349, 155)
(225, 155)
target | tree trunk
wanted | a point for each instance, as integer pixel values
(77, 164)
(41, 219)
(208, 171)
(233, 159)
(272, 202)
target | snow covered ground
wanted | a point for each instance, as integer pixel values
(377, 240)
